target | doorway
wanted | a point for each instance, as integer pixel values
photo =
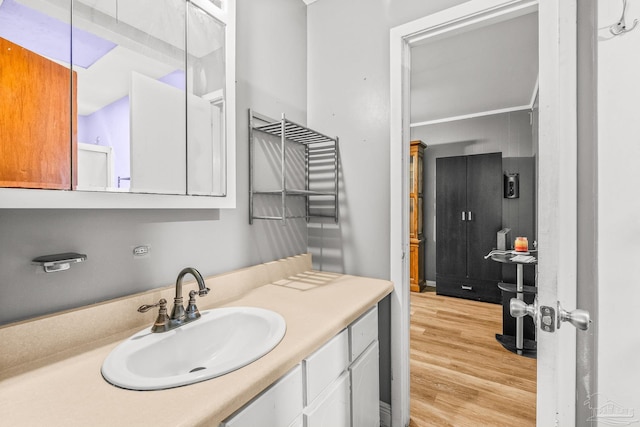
(557, 203)
(474, 103)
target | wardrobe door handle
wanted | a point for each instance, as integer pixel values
(469, 216)
(466, 287)
(464, 215)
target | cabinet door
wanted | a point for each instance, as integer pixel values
(298, 422)
(413, 193)
(365, 397)
(484, 201)
(451, 228)
(414, 267)
(332, 409)
(279, 405)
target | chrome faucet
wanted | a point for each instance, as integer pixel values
(179, 316)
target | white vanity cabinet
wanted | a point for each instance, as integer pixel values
(336, 386)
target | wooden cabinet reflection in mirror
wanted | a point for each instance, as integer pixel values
(38, 136)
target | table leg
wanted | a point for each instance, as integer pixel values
(519, 320)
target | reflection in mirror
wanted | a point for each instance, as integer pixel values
(36, 136)
(205, 106)
(133, 64)
(131, 92)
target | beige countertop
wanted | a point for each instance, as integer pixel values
(67, 389)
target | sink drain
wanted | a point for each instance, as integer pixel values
(199, 368)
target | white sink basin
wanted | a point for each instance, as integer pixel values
(221, 341)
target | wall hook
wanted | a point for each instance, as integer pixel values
(621, 27)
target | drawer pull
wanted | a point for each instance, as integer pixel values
(466, 288)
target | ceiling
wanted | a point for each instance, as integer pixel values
(477, 72)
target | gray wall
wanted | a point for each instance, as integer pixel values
(271, 78)
(509, 133)
(348, 74)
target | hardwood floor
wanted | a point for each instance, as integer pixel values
(460, 374)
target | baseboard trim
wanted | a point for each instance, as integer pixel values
(385, 414)
(431, 283)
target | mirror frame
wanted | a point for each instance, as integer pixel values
(21, 198)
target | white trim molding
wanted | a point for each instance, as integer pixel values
(472, 116)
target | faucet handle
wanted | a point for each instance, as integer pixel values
(162, 322)
(146, 307)
(192, 310)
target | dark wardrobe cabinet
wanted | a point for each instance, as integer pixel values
(468, 216)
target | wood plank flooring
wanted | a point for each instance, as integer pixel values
(460, 375)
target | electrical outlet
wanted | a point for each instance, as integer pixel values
(141, 251)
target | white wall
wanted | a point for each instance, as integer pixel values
(618, 92)
(271, 77)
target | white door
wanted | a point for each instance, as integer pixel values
(557, 191)
(158, 137)
(557, 210)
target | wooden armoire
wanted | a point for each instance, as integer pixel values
(416, 202)
(468, 217)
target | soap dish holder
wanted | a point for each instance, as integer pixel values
(58, 262)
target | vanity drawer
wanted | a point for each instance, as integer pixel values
(363, 332)
(325, 365)
(279, 405)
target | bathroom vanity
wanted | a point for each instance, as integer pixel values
(336, 386)
(50, 366)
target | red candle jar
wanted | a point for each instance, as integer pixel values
(521, 244)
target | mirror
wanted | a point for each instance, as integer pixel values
(113, 95)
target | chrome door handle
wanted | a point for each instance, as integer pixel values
(463, 215)
(549, 321)
(578, 318)
(469, 216)
(519, 308)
